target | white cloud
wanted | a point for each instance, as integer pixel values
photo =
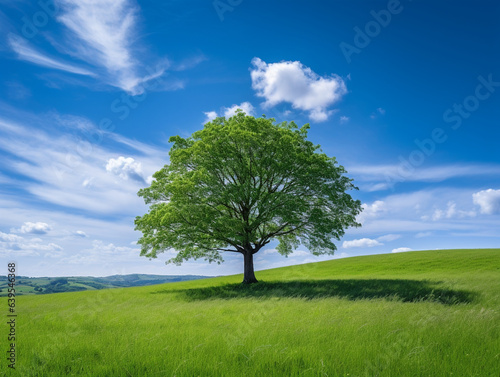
(30, 54)
(401, 250)
(35, 228)
(125, 168)
(20, 246)
(438, 214)
(88, 182)
(423, 234)
(379, 111)
(54, 247)
(245, 106)
(450, 212)
(389, 237)
(378, 187)
(488, 201)
(6, 237)
(297, 84)
(189, 62)
(81, 233)
(229, 111)
(363, 242)
(371, 211)
(210, 116)
(344, 119)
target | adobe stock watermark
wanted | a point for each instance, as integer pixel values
(223, 6)
(39, 19)
(87, 139)
(395, 349)
(247, 324)
(94, 303)
(454, 115)
(364, 36)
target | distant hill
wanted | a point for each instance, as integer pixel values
(41, 285)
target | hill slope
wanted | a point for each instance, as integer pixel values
(41, 285)
(425, 313)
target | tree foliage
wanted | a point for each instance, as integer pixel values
(241, 182)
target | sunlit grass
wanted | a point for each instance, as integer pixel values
(425, 313)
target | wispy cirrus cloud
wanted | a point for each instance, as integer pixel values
(389, 237)
(450, 212)
(102, 33)
(103, 38)
(383, 177)
(423, 213)
(28, 53)
(57, 161)
(21, 246)
(60, 191)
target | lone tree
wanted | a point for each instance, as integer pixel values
(239, 183)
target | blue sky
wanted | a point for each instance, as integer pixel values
(405, 94)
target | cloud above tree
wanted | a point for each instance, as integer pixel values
(294, 83)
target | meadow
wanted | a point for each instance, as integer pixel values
(420, 313)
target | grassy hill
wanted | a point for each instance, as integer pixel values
(423, 313)
(41, 285)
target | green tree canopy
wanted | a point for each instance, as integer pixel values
(239, 183)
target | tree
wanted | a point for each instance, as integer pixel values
(239, 183)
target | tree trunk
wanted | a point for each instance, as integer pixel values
(248, 275)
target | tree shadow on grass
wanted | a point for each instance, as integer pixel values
(351, 289)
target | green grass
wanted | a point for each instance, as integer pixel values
(424, 313)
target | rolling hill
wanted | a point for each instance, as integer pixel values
(421, 313)
(42, 285)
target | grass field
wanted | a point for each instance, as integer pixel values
(422, 313)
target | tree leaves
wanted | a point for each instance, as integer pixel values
(241, 182)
